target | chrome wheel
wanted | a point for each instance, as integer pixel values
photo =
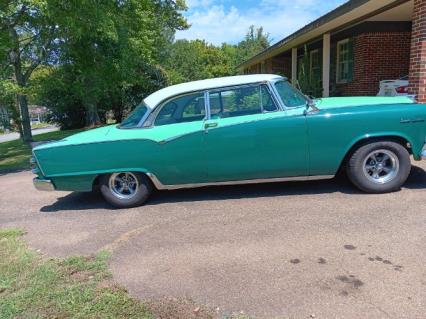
(123, 185)
(381, 166)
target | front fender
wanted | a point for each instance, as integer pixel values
(389, 134)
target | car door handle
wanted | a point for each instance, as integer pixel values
(210, 125)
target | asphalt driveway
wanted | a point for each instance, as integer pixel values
(287, 250)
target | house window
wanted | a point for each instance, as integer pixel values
(345, 61)
(262, 67)
(315, 67)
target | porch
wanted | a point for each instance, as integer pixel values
(351, 49)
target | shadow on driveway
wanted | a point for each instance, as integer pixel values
(340, 184)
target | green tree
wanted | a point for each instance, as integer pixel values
(255, 41)
(105, 46)
(8, 93)
(27, 39)
(196, 60)
(126, 44)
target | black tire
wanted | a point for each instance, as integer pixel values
(141, 194)
(363, 167)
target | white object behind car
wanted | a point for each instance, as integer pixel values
(394, 87)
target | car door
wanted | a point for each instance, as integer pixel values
(179, 129)
(249, 137)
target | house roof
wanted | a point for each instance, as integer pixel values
(348, 13)
(157, 97)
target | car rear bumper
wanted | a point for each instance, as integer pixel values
(43, 184)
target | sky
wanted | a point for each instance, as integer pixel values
(218, 21)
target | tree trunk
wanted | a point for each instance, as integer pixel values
(21, 80)
(25, 119)
(17, 119)
(118, 113)
(92, 116)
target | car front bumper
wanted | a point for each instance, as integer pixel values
(43, 184)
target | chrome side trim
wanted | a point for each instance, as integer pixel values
(170, 139)
(161, 186)
(43, 184)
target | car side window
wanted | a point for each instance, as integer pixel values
(187, 108)
(240, 101)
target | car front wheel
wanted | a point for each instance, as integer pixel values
(125, 189)
(379, 167)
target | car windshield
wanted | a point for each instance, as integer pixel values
(135, 117)
(289, 95)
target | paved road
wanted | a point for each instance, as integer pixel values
(286, 250)
(14, 136)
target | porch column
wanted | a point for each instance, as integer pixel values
(326, 65)
(294, 65)
(417, 77)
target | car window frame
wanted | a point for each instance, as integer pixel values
(285, 106)
(154, 114)
(279, 106)
(149, 121)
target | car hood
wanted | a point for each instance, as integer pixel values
(341, 102)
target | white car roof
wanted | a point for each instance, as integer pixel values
(157, 97)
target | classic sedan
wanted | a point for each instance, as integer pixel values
(236, 130)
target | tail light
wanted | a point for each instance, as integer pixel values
(402, 89)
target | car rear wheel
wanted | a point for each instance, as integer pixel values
(125, 189)
(379, 167)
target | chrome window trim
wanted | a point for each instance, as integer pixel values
(285, 107)
(154, 111)
(207, 104)
(140, 124)
(158, 108)
(161, 186)
(254, 84)
(275, 94)
(141, 121)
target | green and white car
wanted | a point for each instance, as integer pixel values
(234, 130)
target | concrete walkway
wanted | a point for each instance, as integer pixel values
(14, 136)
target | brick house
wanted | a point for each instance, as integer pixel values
(352, 48)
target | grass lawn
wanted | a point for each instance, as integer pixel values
(76, 287)
(32, 286)
(15, 155)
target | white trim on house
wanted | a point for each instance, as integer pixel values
(326, 57)
(311, 53)
(294, 65)
(338, 45)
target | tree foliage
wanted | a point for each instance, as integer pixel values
(108, 48)
(89, 59)
(197, 59)
(255, 41)
(27, 39)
